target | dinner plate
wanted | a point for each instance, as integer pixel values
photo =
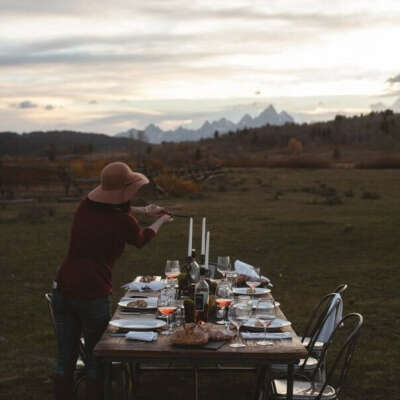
(267, 304)
(244, 290)
(151, 303)
(138, 323)
(275, 324)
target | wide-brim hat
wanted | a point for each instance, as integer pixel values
(118, 184)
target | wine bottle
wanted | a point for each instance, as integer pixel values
(194, 268)
(201, 297)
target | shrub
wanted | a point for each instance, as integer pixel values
(295, 146)
(370, 196)
(386, 162)
(299, 162)
(177, 186)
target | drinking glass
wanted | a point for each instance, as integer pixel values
(237, 314)
(224, 298)
(166, 306)
(265, 313)
(254, 282)
(172, 271)
(223, 265)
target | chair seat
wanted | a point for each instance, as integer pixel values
(317, 345)
(282, 368)
(302, 390)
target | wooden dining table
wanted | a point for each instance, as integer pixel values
(113, 348)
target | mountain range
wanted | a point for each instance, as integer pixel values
(153, 134)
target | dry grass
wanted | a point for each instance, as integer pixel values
(305, 248)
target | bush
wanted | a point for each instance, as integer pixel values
(299, 162)
(370, 196)
(386, 162)
(177, 186)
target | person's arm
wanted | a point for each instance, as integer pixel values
(150, 210)
(138, 236)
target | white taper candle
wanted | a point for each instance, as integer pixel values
(207, 249)
(203, 236)
(190, 237)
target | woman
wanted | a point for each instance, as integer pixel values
(103, 223)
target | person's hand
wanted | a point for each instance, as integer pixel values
(154, 210)
(165, 218)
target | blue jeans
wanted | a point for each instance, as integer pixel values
(75, 317)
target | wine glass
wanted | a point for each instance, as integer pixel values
(172, 271)
(254, 281)
(237, 314)
(224, 298)
(166, 306)
(223, 265)
(265, 314)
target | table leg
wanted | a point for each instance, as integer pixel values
(289, 388)
(107, 380)
(260, 383)
(196, 382)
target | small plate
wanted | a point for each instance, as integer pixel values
(244, 290)
(138, 323)
(151, 303)
(275, 324)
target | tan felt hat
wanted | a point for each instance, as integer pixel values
(118, 184)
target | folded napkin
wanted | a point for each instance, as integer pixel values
(246, 269)
(140, 286)
(335, 313)
(142, 336)
(268, 335)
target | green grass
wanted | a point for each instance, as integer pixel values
(305, 247)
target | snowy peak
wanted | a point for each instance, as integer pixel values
(267, 117)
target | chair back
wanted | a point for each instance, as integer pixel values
(81, 350)
(321, 312)
(341, 288)
(49, 300)
(344, 338)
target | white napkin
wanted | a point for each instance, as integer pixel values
(268, 335)
(143, 336)
(333, 319)
(140, 286)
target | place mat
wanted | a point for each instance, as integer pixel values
(213, 345)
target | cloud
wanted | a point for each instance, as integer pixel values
(25, 104)
(394, 79)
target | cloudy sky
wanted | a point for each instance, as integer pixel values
(105, 66)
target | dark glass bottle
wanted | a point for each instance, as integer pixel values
(201, 297)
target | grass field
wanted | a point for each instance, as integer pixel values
(289, 222)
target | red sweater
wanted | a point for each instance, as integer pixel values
(98, 236)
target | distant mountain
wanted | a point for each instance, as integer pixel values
(154, 134)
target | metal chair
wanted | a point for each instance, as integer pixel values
(344, 337)
(328, 307)
(120, 369)
(341, 288)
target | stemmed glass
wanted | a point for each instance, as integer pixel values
(224, 298)
(254, 282)
(223, 265)
(237, 314)
(172, 269)
(166, 306)
(265, 313)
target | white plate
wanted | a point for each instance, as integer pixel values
(243, 290)
(277, 304)
(275, 324)
(138, 323)
(151, 303)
